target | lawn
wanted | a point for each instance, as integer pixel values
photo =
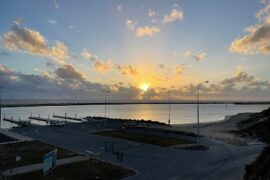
(143, 138)
(31, 152)
(85, 170)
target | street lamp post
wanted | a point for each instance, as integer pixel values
(198, 109)
(169, 118)
(1, 107)
(105, 103)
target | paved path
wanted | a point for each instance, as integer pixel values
(222, 161)
(36, 167)
(14, 135)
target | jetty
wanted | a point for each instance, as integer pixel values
(68, 118)
(18, 122)
(47, 120)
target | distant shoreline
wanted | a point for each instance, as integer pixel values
(126, 103)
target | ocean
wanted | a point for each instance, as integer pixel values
(180, 113)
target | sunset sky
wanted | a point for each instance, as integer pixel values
(135, 49)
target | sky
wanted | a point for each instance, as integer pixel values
(135, 50)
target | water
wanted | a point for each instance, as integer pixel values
(180, 113)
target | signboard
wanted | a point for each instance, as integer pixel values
(49, 161)
(18, 158)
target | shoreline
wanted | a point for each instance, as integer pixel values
(220, 130)
(7, 105)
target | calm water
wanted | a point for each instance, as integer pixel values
(180, 113)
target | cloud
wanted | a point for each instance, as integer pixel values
(178, 69)
(4, 70)
(163, 67)
(87, 55)
(104, 66)
(257, 39)
(43, 73)
(119, 7)
(196, 57)
(71, 27)
(59, 52)
(32, 42)
(240, 86)
(151, 13)
(127, 70)
(264, 1)
(147, 31)
(174, 15)
(17, 21)
(20, 86)
(239, 77)
(130, 24)
(51, 21)
(56, 5)
(141, 31)
(68, 71)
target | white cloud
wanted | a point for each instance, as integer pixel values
(87, 55)
(71, 27)
(51, 21)
(264, 1)
(147, 31)
(151, 13)
(104, 66)
(130, 24)
(32, 42)
(196, 57)
(56, 5)
(68, 71)
(119, 7)
(127, 70)
(174, 15)
(257, 39)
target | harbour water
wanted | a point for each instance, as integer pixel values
(180, 113)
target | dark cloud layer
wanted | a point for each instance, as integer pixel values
(67, 82)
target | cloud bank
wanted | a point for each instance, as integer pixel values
(22, 39)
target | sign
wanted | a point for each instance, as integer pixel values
(49, 161)
(18, 158)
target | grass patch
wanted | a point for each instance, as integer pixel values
(136, 121)
(31, 152)
(260, 168)
(257, 126)
(143, 138)
(85, 170)
(196, 147)
(4, 138)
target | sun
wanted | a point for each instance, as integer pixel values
(144, 86)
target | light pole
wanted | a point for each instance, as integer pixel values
(198, 109)
(109, 107)
(1, 106)
(105, 104)
(169, 118)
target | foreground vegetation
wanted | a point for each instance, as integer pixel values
(257, 126)
(85, 170)
(136, 121)
(31, 152)
(144, 138)
(260, 168)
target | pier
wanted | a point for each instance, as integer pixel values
(18, 122)
(68, 118)
(47, 120)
